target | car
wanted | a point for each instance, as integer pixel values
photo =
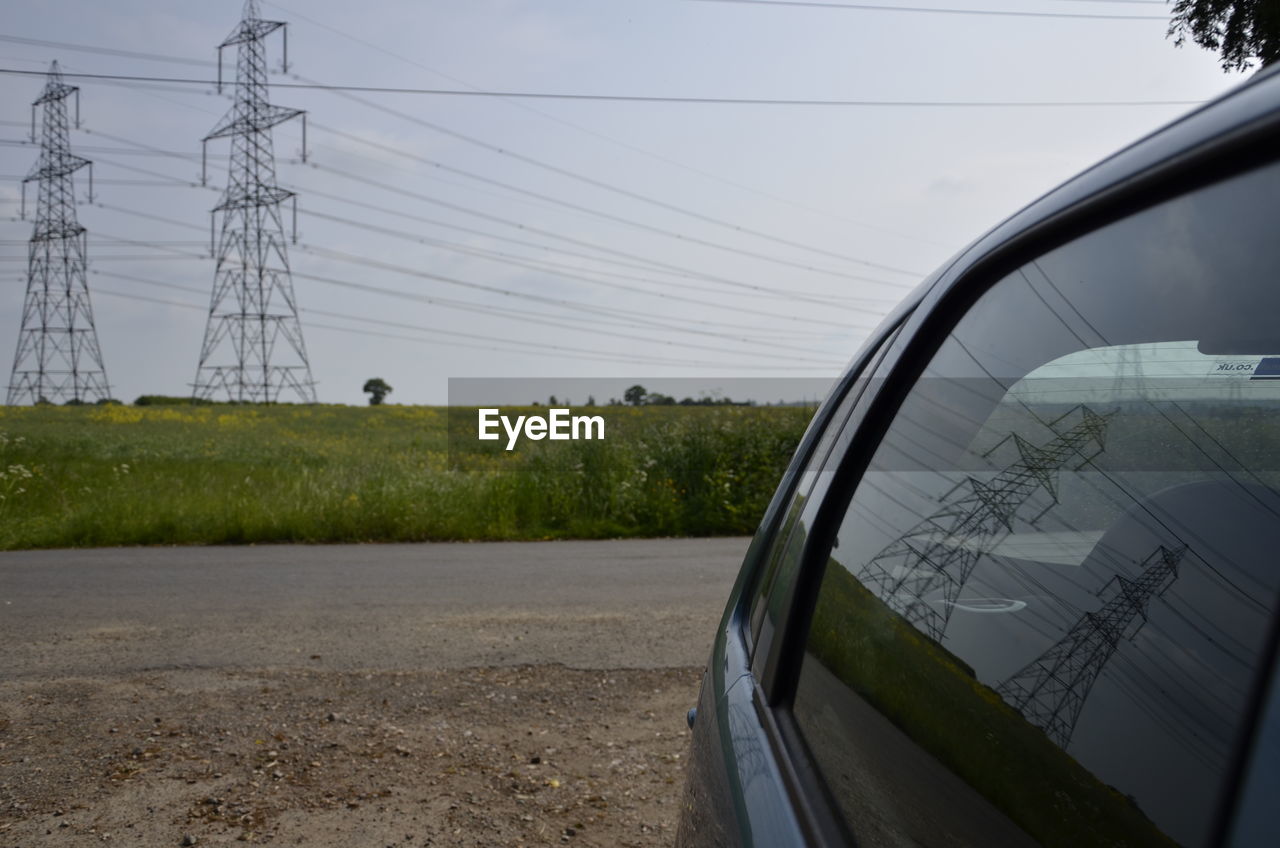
(1019, 583)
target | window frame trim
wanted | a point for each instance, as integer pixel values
(765, 541)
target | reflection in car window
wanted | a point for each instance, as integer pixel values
(783, 556)
(1041, 617)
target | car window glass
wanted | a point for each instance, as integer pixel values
(1040, 619)
(1255, 821)
(783, 554)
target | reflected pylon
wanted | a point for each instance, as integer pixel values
(1050, 691)
(940, 551)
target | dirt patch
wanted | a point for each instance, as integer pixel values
(476, 757)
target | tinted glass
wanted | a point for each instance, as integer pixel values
(782, 556)
(1040, 619)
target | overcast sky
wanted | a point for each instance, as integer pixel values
(619, 215)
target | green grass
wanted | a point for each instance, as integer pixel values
(120, 475)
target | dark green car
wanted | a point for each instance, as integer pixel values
(1019, 585)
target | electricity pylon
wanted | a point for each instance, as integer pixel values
(940, 551)
(58, 358)
(252, 309)
(1050, 691)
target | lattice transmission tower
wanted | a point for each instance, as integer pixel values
(940, 551)
(253, 348)
(58, 357)
(1050, 691)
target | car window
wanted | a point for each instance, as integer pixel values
(1040, 619)
(781, 558)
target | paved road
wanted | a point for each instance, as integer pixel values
(607, 604)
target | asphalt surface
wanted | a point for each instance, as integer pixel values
(588, 604)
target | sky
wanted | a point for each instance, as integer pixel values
(445, 236)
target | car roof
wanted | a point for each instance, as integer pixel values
(1236, 119)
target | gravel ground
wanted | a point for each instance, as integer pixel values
(519, 755)
(353, 696)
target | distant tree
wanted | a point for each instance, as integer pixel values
(1240, 31)
(635, 395)
(108, 402)
(659, 399)
(73, 402)
(551, 401)
(376, 388)
(591, 400)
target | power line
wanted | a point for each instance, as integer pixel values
(506, 196)
(580, 242)
(670, 207)
(639, 263)
(602, 185)
(764, 292)
(585, 210)
(526, 317)
(93, 242)
(165, 153)
(646, 261)
(176, 154)
(107, 51)
(426, 275)
(177, 181)
(611, 139)
(521, 262)
(149, 90)
(636, 98)
(17, 178)
(569, 352)
(521, 315)
(635, 266)
(141, 257)
(636, 320)
(647, 318)
(142, 151)
(532, 264)
(867, 7)
(171, 246)
(157, 218)
(560, 350)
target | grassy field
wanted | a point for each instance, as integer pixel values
(123, 475)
